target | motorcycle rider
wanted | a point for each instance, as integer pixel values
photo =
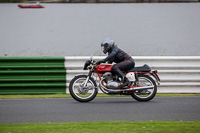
(123, 61)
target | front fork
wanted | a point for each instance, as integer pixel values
(87, 79)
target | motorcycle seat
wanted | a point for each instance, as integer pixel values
(144, 68)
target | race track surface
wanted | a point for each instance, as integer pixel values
(59, 110)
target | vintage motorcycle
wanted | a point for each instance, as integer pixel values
(83, 88)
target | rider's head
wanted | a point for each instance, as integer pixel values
(107, 44)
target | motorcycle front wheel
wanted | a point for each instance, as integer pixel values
(82, 91)
(146, 94)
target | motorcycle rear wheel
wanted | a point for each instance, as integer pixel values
(81, 93)
(146, 94)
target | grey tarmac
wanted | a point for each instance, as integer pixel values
(62, 110)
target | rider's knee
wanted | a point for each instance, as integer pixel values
(114, 68)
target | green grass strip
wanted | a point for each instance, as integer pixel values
(99, 95)
(104, 127)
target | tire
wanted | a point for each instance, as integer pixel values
(80, 93)
(137, 95)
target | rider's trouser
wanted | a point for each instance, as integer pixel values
(123, 66)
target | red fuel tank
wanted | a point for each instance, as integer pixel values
(104, 68)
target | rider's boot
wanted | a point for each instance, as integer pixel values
(126, 82)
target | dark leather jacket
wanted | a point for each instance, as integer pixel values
(117, 55)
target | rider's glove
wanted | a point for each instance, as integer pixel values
(99, 62)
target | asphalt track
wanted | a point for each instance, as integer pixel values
(59, 110)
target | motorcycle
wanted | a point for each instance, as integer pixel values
(143, 87)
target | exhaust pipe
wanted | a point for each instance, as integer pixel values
(136, 88)
(142, 88)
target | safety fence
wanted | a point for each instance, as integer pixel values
(46, 75)
(32, 75)
(178, 74)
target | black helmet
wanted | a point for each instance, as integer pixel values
(107, 44)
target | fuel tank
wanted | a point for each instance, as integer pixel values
(104, 68)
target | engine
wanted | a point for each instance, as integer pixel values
(111, 81)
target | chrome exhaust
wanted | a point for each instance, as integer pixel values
(139, 88)
(142, 88)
